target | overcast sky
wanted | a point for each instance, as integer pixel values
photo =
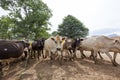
(102, 17)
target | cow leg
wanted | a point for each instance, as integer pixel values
(107, 53)
(71, 54)
(45, 52)
(30, 51)
(1, 71)
(38, 54)
(60, 60)
(41, 53)
(66, 54)
(114, 58)
(52, 58)
(33, 54)
(8, 65)
(27, 59)
(74, 53)
(60, 57)
(100, 55)
(95, 56)
(82, 54)
(92, 54)
(25, 53)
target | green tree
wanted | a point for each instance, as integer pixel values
(6, 27)
(72, 28)
(54, 33)
(31, 17)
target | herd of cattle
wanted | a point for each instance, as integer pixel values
(58, 47)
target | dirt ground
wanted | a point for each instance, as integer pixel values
(80, 69)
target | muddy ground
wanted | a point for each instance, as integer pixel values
(80, 69)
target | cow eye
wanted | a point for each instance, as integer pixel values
(60, 42)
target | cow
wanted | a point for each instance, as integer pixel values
(11, 50)
(71, 46)
(67, 47)
(114, 50)
(75, 45)
(38, 46)
(111, 50)
(101, 44)
(53, 46)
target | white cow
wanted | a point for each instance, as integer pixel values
(113, 50)
(53, 45)
(100, 44)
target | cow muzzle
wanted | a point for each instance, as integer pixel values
(58, 49)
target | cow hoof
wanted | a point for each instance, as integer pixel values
(95, 62)
(101, 58)
(115, 64)
(82, 57)
(44, 57)
(73, 59)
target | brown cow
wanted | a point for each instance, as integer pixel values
(70, 46)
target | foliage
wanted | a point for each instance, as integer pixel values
(72, 28)
(30, 17)
(54, 33)
(6, 27)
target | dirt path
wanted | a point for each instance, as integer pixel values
(77, 70)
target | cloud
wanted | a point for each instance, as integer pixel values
(105, 31)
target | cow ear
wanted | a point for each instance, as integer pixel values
(53, 39)
(63, 38)
(81, 39)
(116, 41)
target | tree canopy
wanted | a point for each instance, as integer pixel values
(26, 19)
(72, 28)
(6, 27)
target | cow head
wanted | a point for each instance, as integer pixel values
(40, 42)
(117, 44)
(68, 43)
(58, 40)
(76, 42)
